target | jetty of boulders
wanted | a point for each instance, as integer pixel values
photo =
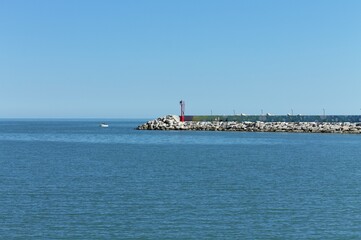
(172, 122)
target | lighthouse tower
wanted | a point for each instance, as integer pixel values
(182, 104)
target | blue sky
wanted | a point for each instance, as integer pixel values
(137, 59)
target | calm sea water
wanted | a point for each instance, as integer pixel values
(75, 180)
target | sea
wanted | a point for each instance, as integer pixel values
(71, 179)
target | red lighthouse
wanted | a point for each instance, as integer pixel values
(182, 104)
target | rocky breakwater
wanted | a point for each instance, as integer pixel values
(172, 122)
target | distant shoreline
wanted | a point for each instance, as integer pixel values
(274, 118)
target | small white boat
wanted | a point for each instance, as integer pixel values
(104, 125)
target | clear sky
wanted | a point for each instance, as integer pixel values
(137, 59)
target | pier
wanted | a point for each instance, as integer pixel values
(301, 124)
